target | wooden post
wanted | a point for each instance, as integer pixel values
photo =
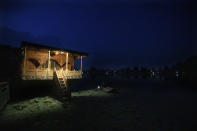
(48, 64)
(68, 91)
(66, 61)
(81, 63)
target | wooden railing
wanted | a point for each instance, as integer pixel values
(38, 74)
(45, 74)
(72, 74)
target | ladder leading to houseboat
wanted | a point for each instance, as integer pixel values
(62, 83)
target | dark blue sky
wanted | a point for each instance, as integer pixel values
(115, 34)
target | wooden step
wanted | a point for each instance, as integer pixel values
(62, 83)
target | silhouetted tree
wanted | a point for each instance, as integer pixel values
(190, 70)
(128, 72)
(144, 72)
(92, 73)
(136, 72)
(166, 72)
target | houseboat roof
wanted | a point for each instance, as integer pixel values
(40, 46)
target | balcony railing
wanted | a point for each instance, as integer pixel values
(72, 74)
(45, 74)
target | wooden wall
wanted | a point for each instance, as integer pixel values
(34, 55)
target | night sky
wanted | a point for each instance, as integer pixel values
(116, 33)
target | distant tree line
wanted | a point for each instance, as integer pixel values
(182, 72)
(189, 69)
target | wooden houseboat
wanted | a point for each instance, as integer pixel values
(40, 62)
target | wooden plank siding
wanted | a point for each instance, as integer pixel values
(35, 64)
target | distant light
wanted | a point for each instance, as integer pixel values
(98, 87)
(177, 74)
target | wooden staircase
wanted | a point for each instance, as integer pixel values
(62, 84)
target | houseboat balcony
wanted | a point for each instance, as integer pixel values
(72, 74)
(45, 74)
